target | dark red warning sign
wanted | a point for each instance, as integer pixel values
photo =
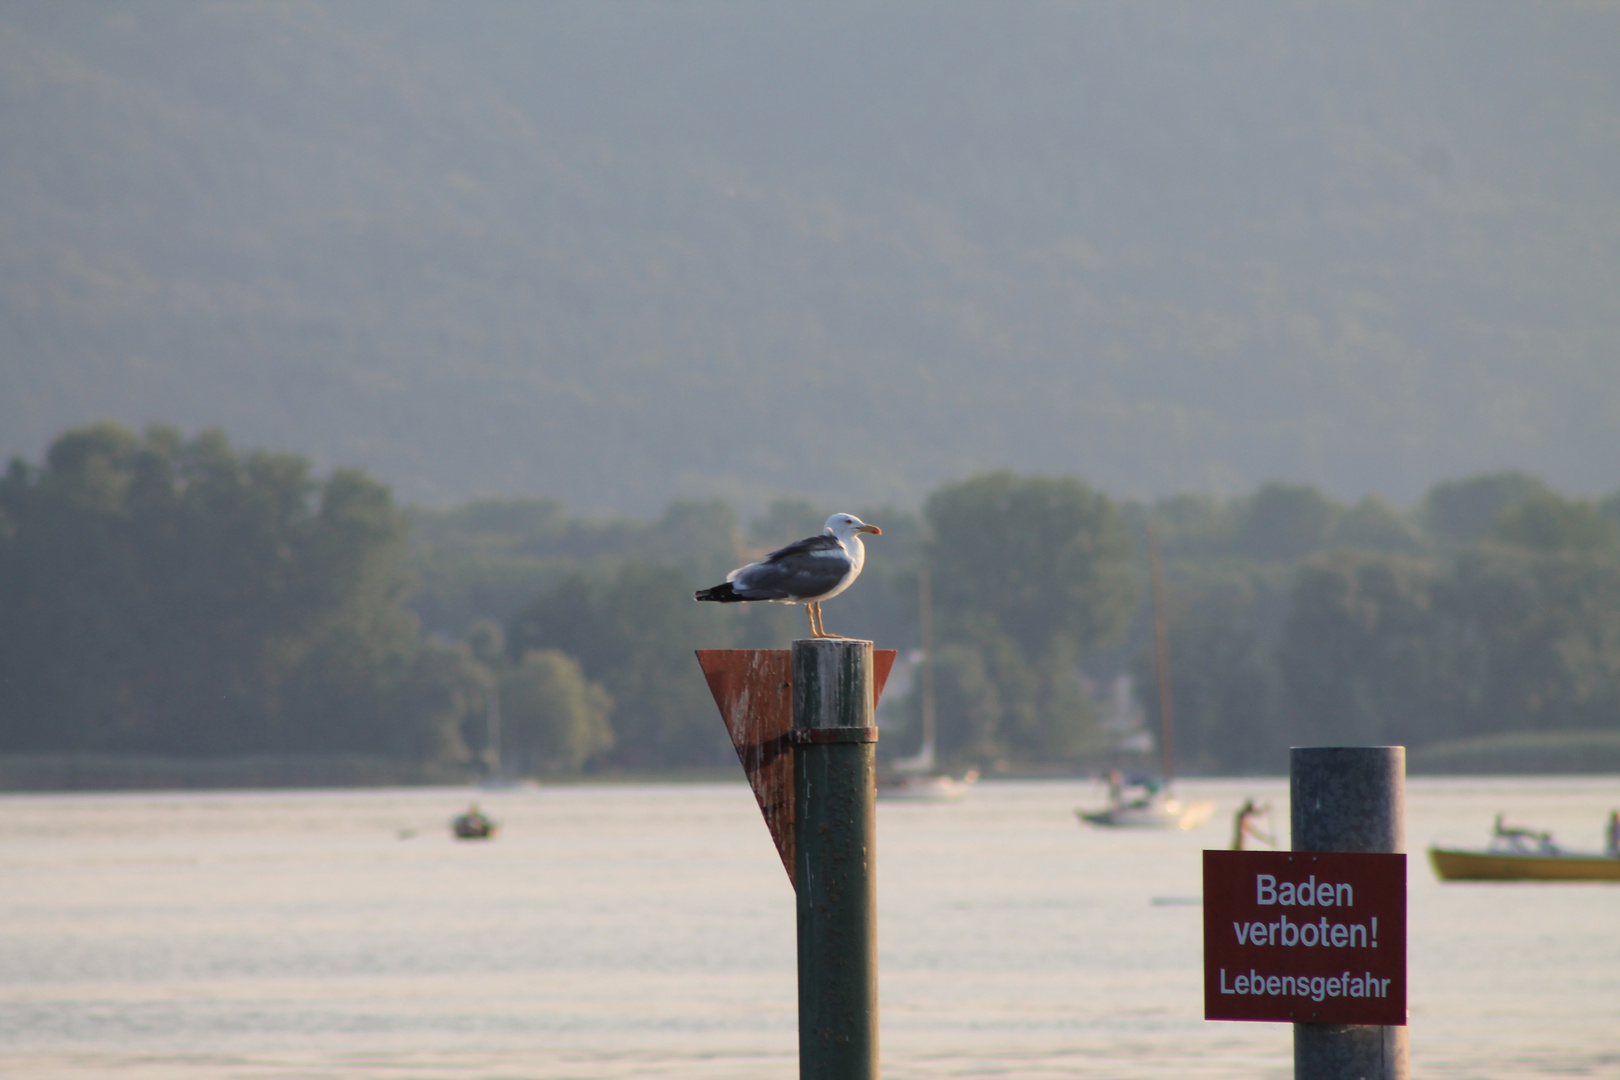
(1308, 937)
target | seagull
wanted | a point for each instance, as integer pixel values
(814, 569)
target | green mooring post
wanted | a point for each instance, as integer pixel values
(835, 794)
(1348, 798)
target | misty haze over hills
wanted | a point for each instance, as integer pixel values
(615, 253)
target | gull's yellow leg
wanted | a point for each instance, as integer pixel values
(810, 613)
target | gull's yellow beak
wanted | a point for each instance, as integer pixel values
(873, 529)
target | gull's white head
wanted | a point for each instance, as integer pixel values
(846, 526)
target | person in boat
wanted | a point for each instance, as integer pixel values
(1244, 826)
(473, 825)
(1131, 792)
(1510, 840)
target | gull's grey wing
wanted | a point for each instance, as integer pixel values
(800, 571)
(810, 545)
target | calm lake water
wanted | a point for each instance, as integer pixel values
(648, 931)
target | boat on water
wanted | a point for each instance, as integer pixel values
(1141, 802)
(1527, 855)
(473, 825)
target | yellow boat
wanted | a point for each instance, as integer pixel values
(1524, 855)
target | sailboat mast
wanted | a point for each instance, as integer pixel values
(1167, 739)
(925, 615)
(492, 733)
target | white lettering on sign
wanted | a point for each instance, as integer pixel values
(1315, 987)
(1309, 934)
(1308, 893)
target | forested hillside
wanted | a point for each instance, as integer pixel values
(615, 253)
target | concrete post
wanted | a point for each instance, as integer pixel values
(1348, 798)
(835, 794)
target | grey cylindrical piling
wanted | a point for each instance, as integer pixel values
(835, 793)
(1348, 798)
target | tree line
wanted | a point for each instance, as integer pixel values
(162, 595)
(1492, 607)
(179, 596)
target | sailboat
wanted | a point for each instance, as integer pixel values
(914, 778)
(1145, 802)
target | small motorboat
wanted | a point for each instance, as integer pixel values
(1526, 855)
(473, 825)
(1143, 803)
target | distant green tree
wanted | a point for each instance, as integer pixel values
(1222, 679)
(1285, 521)
(498, 524)
(1189, 526)
(1365, 658)
(697, 535)
(446, 691)
(172, 596)
(553, 719)
(485, 559)
(1031, 557)
(633, 630)
(1029, 573)
(1461, 513)
(357, 644)
(1610, 508)
(1538, 636)
(969, 706)
(1549, 523)
(1374, 525)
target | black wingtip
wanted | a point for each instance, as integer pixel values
(723, 594)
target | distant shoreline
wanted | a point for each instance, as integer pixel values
(1560, 753)
(1520, 753)
(44, 773)
(21, 773)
